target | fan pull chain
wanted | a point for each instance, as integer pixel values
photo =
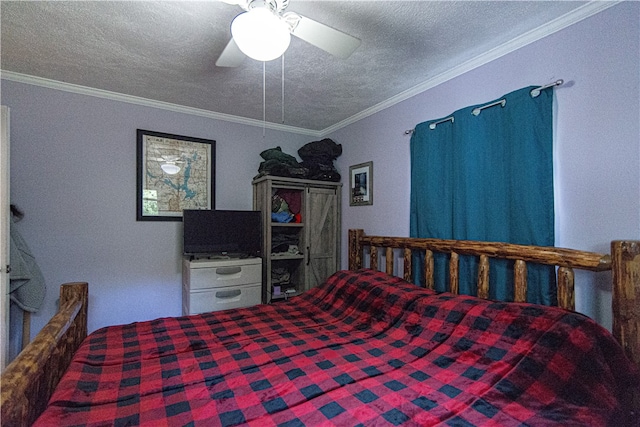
(264, 94)
(264, 98)
(282, 88)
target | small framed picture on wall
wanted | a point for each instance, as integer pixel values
(361, 184)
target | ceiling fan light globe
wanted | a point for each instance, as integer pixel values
(260, 34)
(170, 168)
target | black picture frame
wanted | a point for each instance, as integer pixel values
(361, 184)
(174, 172)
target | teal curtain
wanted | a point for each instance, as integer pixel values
(487, 177)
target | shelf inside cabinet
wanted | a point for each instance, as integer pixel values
(283, 295)
(286, 256)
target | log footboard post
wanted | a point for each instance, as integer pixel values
(355, 249)
(625, 270)
(626, 296)
(408, 272)
(29, 380)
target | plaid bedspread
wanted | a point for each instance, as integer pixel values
(363, 349)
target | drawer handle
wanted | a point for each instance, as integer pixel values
(228, 294)
(228, 270)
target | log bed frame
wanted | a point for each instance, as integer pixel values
(28, 382)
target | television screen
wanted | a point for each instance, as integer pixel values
(222, 232)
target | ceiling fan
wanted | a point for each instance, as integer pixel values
(263, 32)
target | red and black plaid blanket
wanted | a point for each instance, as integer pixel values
(364, 349)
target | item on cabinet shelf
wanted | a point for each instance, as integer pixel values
(318, 157)
(281, 217)
(280, 164)
(280, 275)
(282, 242)
(289, 293)
(293, 250)
(276, 290)
(291, 198)
(279, 204)
(280, 211)
(285, 206)
(317, 162)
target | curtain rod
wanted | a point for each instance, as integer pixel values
(534, 93)
(434, 124)
(476, 111)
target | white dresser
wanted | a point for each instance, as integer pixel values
(220, 284)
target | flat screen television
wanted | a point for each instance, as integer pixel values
(215, 233)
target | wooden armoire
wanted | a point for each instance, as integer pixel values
(301, 240)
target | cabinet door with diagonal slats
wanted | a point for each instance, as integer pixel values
(323, 233)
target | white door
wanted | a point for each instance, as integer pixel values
(4, 238)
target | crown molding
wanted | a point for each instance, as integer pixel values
(115, 96)
(583, 12)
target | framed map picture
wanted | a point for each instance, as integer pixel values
(174, 173)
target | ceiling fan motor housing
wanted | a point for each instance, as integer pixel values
(263, 32)
(260, 33)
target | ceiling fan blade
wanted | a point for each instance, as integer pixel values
(231, 56)
(326, 38)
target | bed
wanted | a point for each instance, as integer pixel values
(365, 348)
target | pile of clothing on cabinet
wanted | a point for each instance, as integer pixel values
(280, 164)
(318, 156)
(317, 162)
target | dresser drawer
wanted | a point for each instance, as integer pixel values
(224, 298)
(205, 277)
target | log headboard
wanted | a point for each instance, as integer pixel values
(623, 262)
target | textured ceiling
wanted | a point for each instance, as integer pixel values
(166, 51)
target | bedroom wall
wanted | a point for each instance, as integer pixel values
(73, 172)
(597, 148)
